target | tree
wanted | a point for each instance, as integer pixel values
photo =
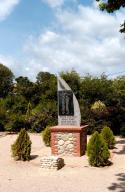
(119, 90)
(42, 77)
(99, 109)
(73, 80)
(24, 87)
(108, 136)
(112, 5)
(21, 149)
(47, 84)
(14, 122)
(97, 151)
(119, 97)
(46, 135)
(16, 104)
(2, 114)
(29, 111)
(43, 115)
(95, 88)
(6, 80)
(99, 114)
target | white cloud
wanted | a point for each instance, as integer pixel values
(15, 66)
(6, 7)
(87, 40)
(54, 3)
(58, 3)
(8, 61)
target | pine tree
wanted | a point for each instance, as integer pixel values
(97, 151)
(21, 149)
(46, 134)
(29, 111)
(108, 136)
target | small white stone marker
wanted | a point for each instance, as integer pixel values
(52, 162)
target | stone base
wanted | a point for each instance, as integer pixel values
(68, 140)
(51, 162)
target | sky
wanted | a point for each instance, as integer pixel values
(60, 35)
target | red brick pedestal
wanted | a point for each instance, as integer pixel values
(68, 140)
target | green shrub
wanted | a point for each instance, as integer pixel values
(96, 125)
(38, 122)
(98, 105)
(97, 151)
(108, 136)
(22, 147)
(99, 110)
(15, 122)
(46, 134)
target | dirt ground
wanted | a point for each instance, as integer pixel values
(76, 176)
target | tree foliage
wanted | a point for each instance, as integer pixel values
(24, 87)
(46, 135)
(73, 79)
(21, 148)
(112, 5)
(97, 151)
(6, 80)
(98, 105)
(108, 136)
(33, 105)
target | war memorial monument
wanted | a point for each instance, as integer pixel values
(68, 137)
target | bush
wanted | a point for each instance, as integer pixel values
(108, 136)
(38, 122)
(97, 151)
(99, 110)
(46, 134)
(98, 105)
(22, 147)
(15, 122)
(96, 125)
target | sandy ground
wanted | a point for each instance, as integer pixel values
(76, 176)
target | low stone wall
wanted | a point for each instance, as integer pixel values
(68, 140)
(52, 162)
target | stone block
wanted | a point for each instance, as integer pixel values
(52, 162)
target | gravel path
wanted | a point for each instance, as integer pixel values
(76, 176)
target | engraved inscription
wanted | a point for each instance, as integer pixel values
(68, 120)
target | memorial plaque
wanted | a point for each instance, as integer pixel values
(65, 99)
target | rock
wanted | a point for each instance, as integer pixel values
(61, 142)
(70, 146)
